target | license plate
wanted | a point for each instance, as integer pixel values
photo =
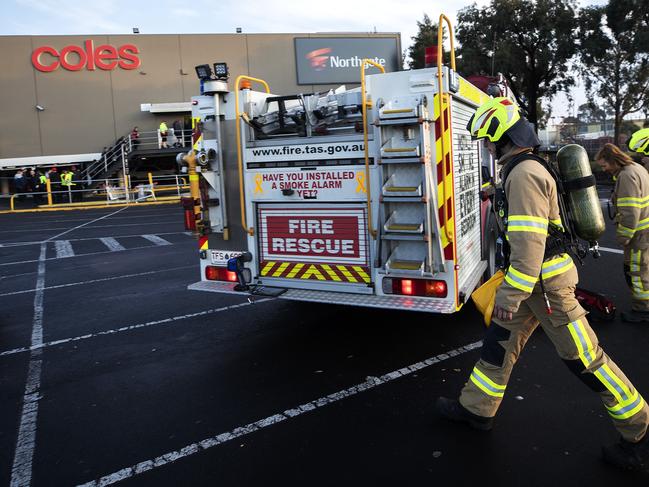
(221, 257)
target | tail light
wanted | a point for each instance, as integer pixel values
(213, 273)
(415, 287)
(188, 211)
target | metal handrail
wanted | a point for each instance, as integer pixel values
(45, 193)
(13, 196)
(112, 155)
(242, 202)
(441, 97)
(364, 63)
(180, 184)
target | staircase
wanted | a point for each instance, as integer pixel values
(113, 160)
(408, 202)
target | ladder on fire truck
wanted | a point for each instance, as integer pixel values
(408, 222)
(414, 201)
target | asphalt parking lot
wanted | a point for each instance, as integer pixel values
(111, 372)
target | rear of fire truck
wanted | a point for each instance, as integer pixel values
(367, 197)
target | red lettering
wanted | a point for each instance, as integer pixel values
(104, 57)
(38, 64)
(65, 63)
(129, 59)
(90, 64)
(106, 53)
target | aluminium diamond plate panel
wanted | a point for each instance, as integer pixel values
(427, 305)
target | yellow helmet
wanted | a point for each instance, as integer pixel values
(639, 142)
(492, 119)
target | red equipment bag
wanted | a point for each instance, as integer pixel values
(598, 306)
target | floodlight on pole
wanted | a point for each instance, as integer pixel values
(221, 71)
(204, 72)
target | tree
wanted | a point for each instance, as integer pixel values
(615, 58)
(530, 42)
(590, 112)
(543, 114)
(426, 37)
(568, 130)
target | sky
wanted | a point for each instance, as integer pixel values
(52, 17)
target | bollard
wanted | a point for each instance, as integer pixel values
(151, 183)
(48, 185)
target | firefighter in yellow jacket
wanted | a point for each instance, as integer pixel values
(631, 201)
(538, 289)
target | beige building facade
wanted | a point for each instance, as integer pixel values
(73, 95)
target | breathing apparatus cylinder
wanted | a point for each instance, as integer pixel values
(581, 193)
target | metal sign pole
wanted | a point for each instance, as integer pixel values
(127, 189)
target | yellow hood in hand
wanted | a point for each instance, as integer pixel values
(485, 296)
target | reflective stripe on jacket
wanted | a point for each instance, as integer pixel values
(532, 207)
(631, 199)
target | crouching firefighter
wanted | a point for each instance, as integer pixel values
(539, 288)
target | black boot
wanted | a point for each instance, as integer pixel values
(452, 410)
(627, 455)
(635, 316)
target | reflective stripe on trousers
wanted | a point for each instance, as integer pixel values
(637, 288)
(485, 384)
(575, 342)
(628, 403)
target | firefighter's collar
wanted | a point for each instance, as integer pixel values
(511, 154)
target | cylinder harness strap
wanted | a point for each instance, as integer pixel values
(561, 237)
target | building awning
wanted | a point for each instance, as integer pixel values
(175, 107)
(40, 161)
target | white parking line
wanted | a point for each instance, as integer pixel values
(37, 242)
(69, 220)
(146, 247)
(63, 249)
(164, 321)
(17, 275)
(85, 224)
(112, 244)
(81, 283)
(157, 240)
(21, 472)
(212, 441)
(160, 222)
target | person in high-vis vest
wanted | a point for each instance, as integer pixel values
(540, 289)
(67, 184)
(41, 187)
(164, 130)
(631, 201)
